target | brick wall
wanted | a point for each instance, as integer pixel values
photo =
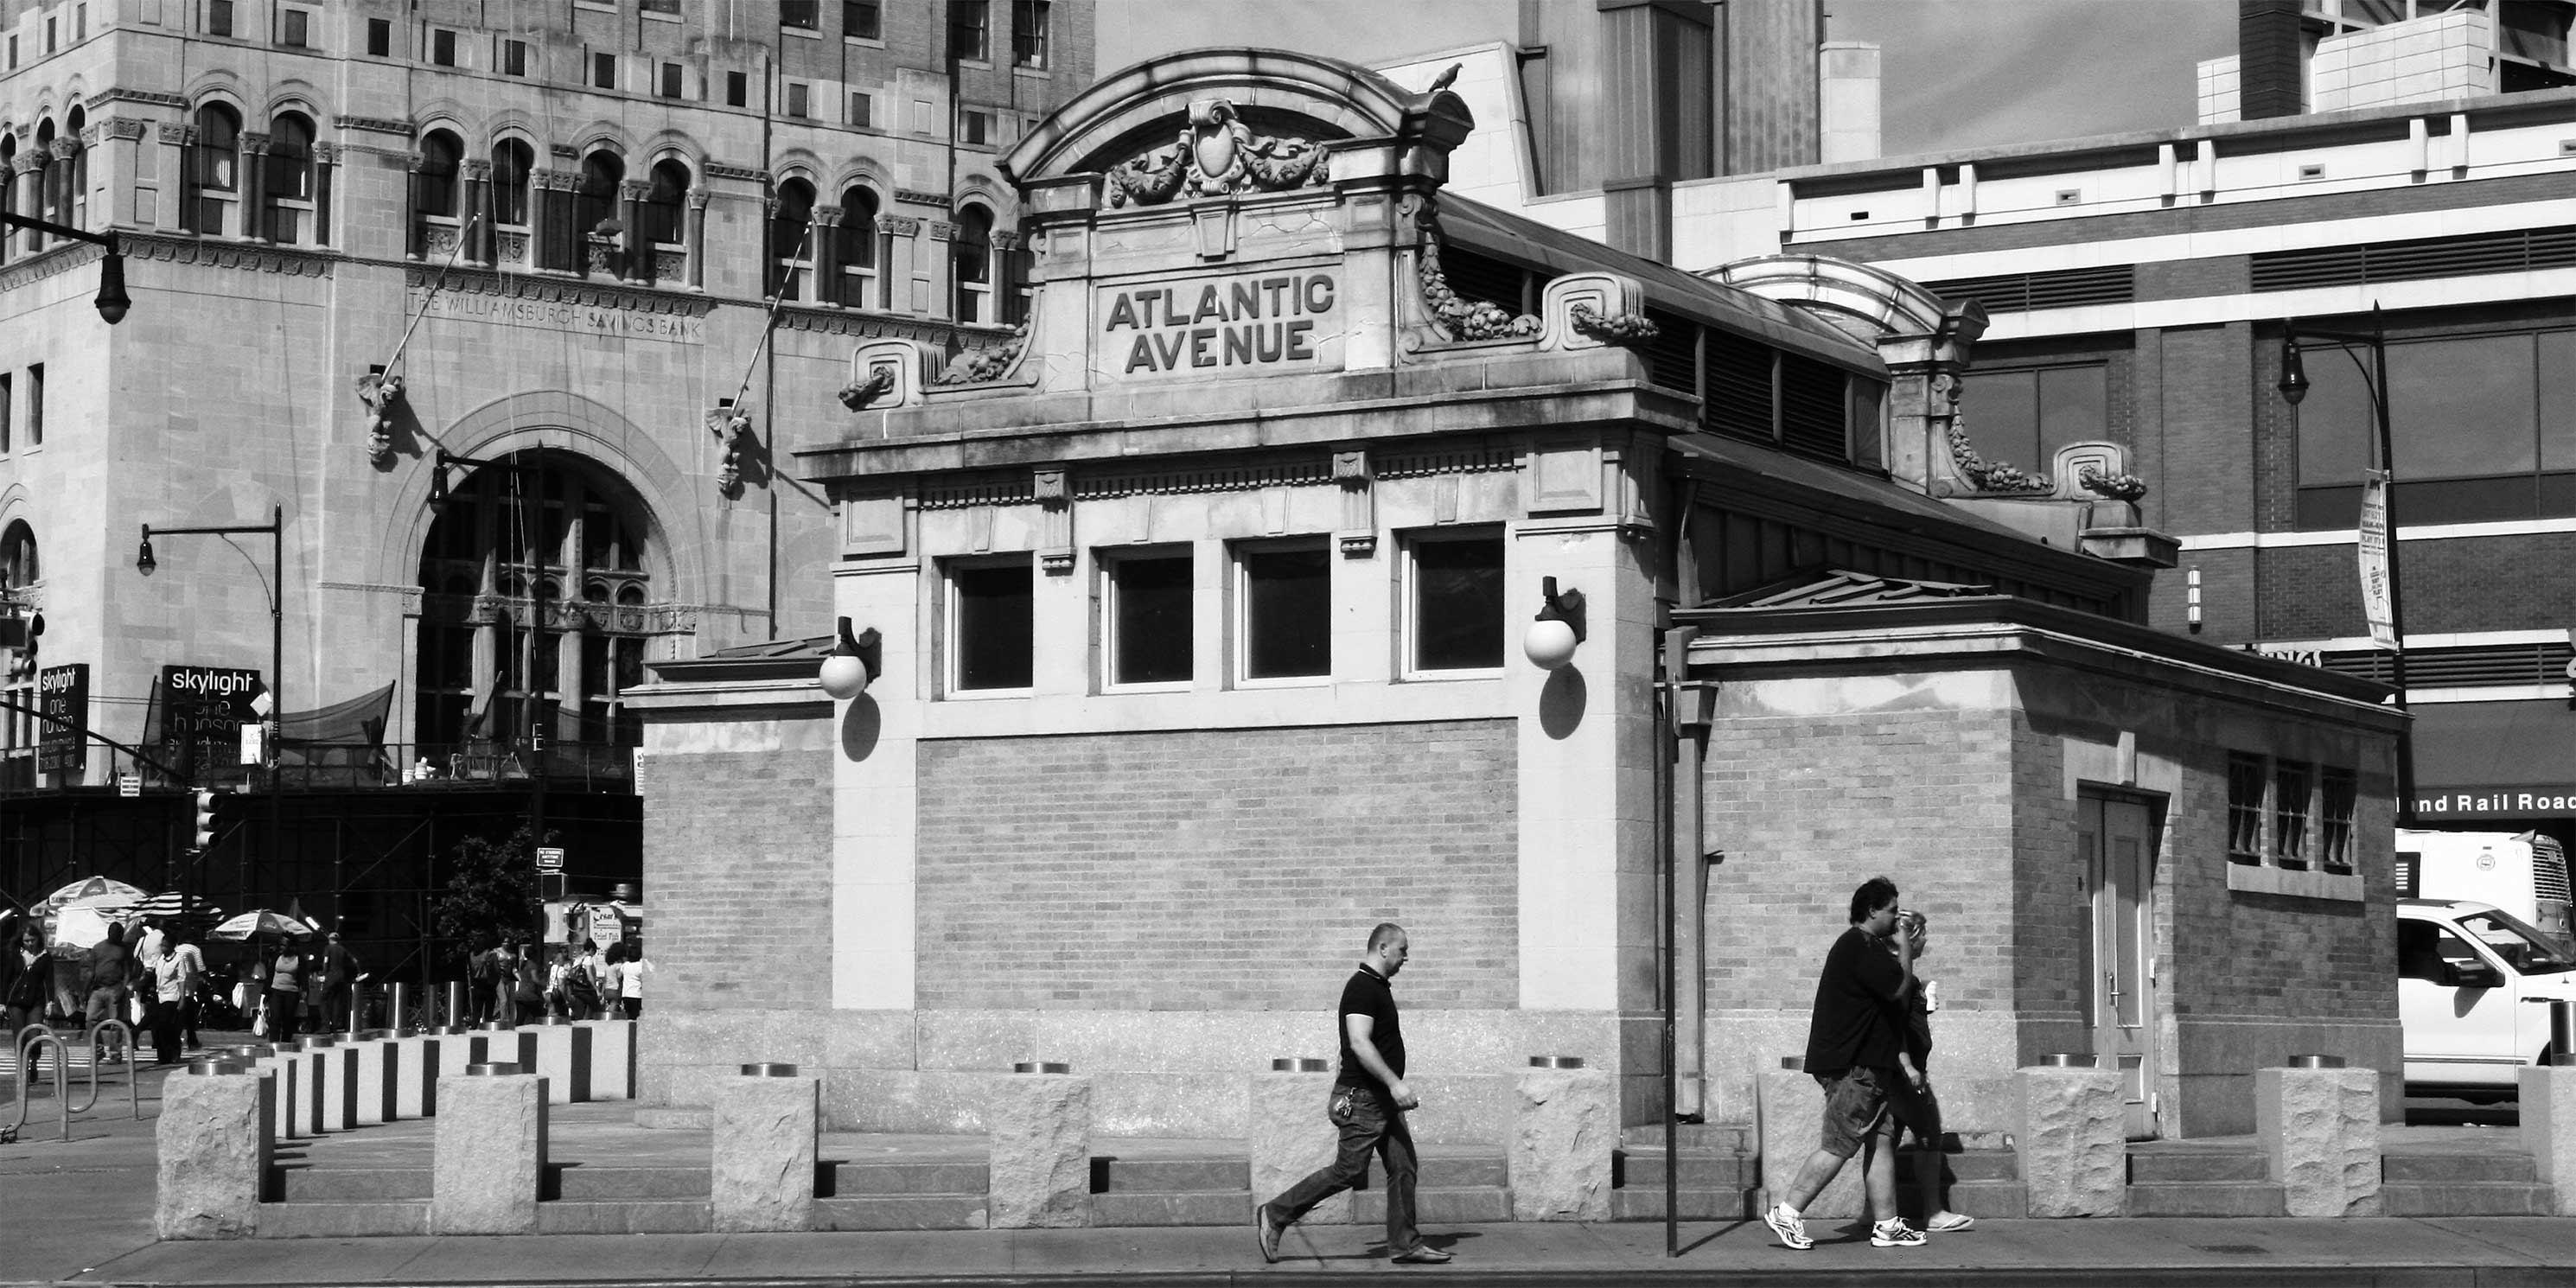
(1217, 869)
(2208, 465)
(743, 842)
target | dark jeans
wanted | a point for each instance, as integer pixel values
(161, 1020)
(282, 1010)
(1371, 1124)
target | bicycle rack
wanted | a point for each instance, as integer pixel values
(43, 1038)
(133, 1092)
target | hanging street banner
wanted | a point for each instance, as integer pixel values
(2378, 605)
(62, 742)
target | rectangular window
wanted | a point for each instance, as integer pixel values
(670, 86)
(1148, 617)
(442, 48)
(2246, 781)
(1284, 612)
(671, 7)
(294, 28)
(863, 19)
(36, 405)
(1454, 603)
(2021, 418)
(2291, 780)
(2337, 791)
(380, 38)
(51, 36)
(861, 114)
(13, 51)
(2484, 428)
(974, 127)
(990, 640)
(737, 89)
(799, 14)
(80, 22)
(603, 71)
(970, 24)
(1029, 33)
(514, 58)
(219, 17)
(5, 408)
(799, 99)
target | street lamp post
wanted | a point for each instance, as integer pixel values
(2294, 388)
(144, 563)
(111, 301)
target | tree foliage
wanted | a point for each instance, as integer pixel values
(491, 892)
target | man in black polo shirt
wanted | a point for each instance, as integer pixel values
(1369, 1100)
(1854, 1049)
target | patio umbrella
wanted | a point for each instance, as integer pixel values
(115, 905)
(172, 905)
(261, 921)
(78, 928)
(91, 888)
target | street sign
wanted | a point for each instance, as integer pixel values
(62, 744)
(550, 858)
(2378, 604)
(203, 708)
(129, 785)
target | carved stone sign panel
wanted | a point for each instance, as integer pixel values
(1203, 328)
(567, 315)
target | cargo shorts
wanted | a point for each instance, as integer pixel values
(1856, 1109)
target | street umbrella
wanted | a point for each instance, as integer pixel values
(261, 921)
(172, 905)
(115, 905)
(92, 888)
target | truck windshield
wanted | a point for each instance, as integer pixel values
(2518, 942)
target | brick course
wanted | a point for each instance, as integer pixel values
(743, 842)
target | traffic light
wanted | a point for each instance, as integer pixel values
(205, 822)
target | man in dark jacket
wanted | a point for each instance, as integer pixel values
(103, 984)
(1855, 1046)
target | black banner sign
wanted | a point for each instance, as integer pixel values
(62, 744)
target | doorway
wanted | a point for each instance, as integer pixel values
(2116, 840)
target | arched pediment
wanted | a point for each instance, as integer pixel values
(1890, 304)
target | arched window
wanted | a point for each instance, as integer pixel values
(18, 566)
(75, 203)
(8, 203)
(287, 205)
(666, 205)
(512, 159)
(214, 169)
(971, 264)
(857, 249)
(487, 680)
(790, 217)
(48, 182)
(434, 192)
(595, 202)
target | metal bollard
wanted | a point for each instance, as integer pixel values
(451, 1014)
(2562, 1032)
(398, 1008)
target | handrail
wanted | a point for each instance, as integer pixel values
(133, 1092)
(62, 1061)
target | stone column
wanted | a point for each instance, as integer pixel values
(417, 1061)
(1040, 1171)
(477, 206)
(2072, 1136)
(634, 252)
(1789, 1121)
(827, 255)
(1565, 1124)
(698, 238)
(253, 189)
(1291, 1138)
(563, 1059)
(612, 1058)
(30, 178)
(2548, 1094)
(488, 1155)
(213, 1142)
(763, 1177)
(2320, 1134)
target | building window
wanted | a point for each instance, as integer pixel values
(974, 127)
(594, 202)
(1284, 612)
(799, 99)
(863, 19)
(80, 23)
(2292, 803)
(1454, 602)
(213, 170)
(514, 58)
(799, 14)
(288, 175)
(13, 52)
(791, 223)
(991, 644)
(659, 217)
(971, 265)
(52, 28)
(2246, 783)
(737, 89)
(862, 109)
(857, 248)
(19, 567)
(603, 71)
(434, 187)
(219, 17)
(2338, 790)
(1147, 617)
(442, 48)
(2022, 417)
(294, 28)
(970, 24)
(1029, 33)
(671, 7)
(2289, 813)
(380, 38)
(512, 159)
(668, 84)
(36, 404)
(7, 400)
(2484, 428)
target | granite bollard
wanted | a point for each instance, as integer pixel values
(379, 1067)
(2548, 1102)
(213, 1140)
(488, 1154)
(1790, 1112)
(416, 1062)
(2319, 1127)
(1564, 1128)
(280, 1069)
(1292, 1136)
(612, 1058)
(2071, 1134)
(335, 1081)
(1040, 1172)
(563, 1060)
(763, 1165)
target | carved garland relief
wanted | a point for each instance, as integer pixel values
(1216, 154)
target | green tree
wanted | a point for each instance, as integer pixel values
(491, 892)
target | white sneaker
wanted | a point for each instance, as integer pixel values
(1895, 1233)
(1789, 1226)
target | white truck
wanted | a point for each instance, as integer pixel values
(2524, 873)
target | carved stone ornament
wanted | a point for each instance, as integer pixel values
(1216, 154)
(1627, 329)
(442, 240)
(977, 366)
(381, 394)
(1459, 317)
(603, 251)
(731, 426)
(879, 382)
(1985, 475)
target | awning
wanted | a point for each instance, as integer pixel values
(2494, 760)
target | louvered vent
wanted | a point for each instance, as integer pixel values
(1672, 357)
(1738, 393)
(2549, 869)
(2520, 250)
(2064, 289)
(2477, 667)
(1813, 403)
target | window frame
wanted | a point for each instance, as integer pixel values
(952, 630)
(35, 423)
(876, 10)
(1409, 636)
(2300, 814)
(1021, 43)
(1106, 565)
(221, 20)
(288, 16)
(603, 71)
(982, 29)
(514, 57)
(1241, 626)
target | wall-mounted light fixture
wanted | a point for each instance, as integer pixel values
(1549, 642)
(2191, 599)
(853, 662)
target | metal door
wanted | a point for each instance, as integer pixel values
(2117, 843)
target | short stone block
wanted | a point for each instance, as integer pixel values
(378, 1061)
(1565, 1125)
(563, 1060)
(2071, 1131)
(1291, 1136)
(2320, 1134)
(213, 1140)
(612, 1058)
(2548, 1094)
(335, 1080)
(1789, 1111)
(416, 1062)
(763, 1165)
(488, 1155)
(1040, 1176)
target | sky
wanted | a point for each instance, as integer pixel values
(1953, 73)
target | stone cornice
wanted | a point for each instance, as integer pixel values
(47, 263)
(372, 124)
(864, 325)
(119, 94)
(561, 290)
(743, 173)
(231, 254)
(913, 197)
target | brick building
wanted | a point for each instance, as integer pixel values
(613, 251)
(1196, 624)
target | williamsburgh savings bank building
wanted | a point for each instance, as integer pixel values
(1200, 623)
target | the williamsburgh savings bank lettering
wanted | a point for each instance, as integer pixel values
(1241, 322)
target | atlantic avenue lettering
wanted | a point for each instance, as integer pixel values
(1210, 326)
